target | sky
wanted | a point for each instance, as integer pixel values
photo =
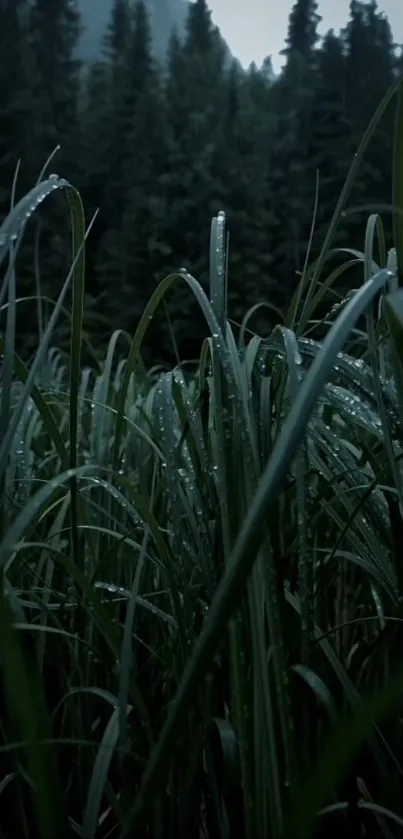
(254, 29)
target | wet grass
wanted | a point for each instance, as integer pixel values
(201, 599)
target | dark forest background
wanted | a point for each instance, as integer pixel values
(160, 146)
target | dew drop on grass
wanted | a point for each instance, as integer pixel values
(297, 357)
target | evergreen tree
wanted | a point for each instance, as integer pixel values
(370, 58)
(331, 148)
(112, 113)
(145, 209)
(94, 160)
(53, 83)
(118, 31)
(302, 34)
(104, 126)
(293, 180)
(16, 101)
(54, 33)
(195, 100)
(370, 62)
(160, 149)
(245, 167)
(199, 28)
(130, 255)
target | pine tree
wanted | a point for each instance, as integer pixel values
(52, 29)
(103, 129)
(370, 63)
(118, 31)
(195, 96)
(199, 28)
(302, 34)
(93, 159)
(145, 209)
(112, 114)
(54, 33)
(129, 258)
(331, 147)
(17, 143)
(15, 99)
(370, 57)
(293, 180)
(195, 100)
(245, 167)
(130, 69)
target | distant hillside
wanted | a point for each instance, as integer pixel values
(165, 15)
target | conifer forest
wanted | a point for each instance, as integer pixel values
(201, 426)
(157, 145)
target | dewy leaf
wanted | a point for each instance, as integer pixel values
(251, 536)
(342, 745)
(14, 224)
(398, 184)
(393, 307)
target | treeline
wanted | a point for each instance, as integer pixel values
(159, 147)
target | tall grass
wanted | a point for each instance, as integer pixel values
(201, 599)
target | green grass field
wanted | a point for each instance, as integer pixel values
(202, 572)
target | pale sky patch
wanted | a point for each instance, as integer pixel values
(254, 29)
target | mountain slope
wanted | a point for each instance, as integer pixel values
(165, 15)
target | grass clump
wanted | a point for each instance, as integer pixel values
(201, 599)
